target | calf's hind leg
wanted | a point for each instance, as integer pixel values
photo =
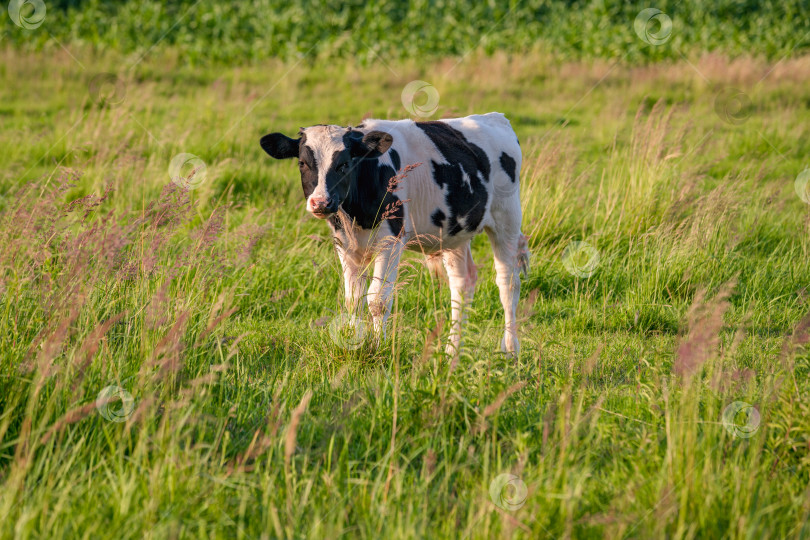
(506, 248)
(461, 275)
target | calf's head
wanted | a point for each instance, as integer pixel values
(327, 159)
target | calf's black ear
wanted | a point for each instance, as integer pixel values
(280, 146)
(373, 144)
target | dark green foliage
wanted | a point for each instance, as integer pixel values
(210, 30)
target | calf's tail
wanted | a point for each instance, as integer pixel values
(436, 267)
(523, 254)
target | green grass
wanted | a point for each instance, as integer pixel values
(212, 309)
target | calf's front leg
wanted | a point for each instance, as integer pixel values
(380, 292)
(354, 281)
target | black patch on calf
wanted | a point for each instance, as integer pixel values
(438, 218)
(467, 201)
(508, 165)
(369, 199)
(396, 219)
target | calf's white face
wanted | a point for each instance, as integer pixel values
(327, 159)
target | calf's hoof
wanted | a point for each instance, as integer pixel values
(453, 348)
(510, 345)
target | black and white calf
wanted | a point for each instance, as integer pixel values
(467, 183)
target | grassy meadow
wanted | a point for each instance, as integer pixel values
(245, 413)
